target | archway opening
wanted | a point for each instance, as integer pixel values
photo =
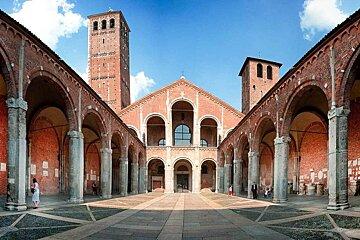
(155, 131)
(156, 176)
(208, 175)
(92, 129)
(208, 133)
(48, 117)
(183, 123)
(308, 154)
(183, 176)
(116, 145)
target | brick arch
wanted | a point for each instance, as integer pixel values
(221, 159)
(102, 126)
(59, 86)
(155, 114)
(259, 134)
(141, 159)
(348, 79)
(243, 140)
(182, 99)
(292, 101)
(229, 152)
(154, 159)
(131, 127)
(6, 71)
(211, 117)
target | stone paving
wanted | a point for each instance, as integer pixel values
(182, 216)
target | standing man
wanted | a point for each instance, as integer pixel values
(254, 190)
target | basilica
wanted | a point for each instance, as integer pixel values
(295, 134)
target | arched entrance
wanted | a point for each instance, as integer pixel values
(155, 131)
(183, 176)
(208, 175)
(156, 175)
(116, 147)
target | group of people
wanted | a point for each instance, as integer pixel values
(254, 191)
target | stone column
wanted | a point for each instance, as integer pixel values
(237, 176)
(281, 169)
(124, 161)
(253, 171)
(338, 158)
(197, 179)
(227, 177)
(220, 179)
(169, 179)
(142, 179)
(106, 172)
(76, 162)
(134, 178)
(17, 153)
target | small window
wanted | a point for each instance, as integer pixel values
(182, 135)
(95, 25)
(254, 87)
(162, 142)
(259, 69)
(103, 40)
(112, 23)
(203, 143)
(103, 24)
(269, 72)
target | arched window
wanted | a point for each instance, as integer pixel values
(259, 70)
(103, 24)
(269, 72)
(112, 23)
(95, 25)
(161, 169)
(162, 142)
(204, 169)
(203, 143)
(182, 135)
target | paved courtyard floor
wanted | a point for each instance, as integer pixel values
(182, 216)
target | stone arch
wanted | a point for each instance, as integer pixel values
(295, 98)
(155, 158)
(183, 175)
(183, 158)
(227, 132)
(208, 131)
(263, 126)
(155, 130)
(6, 71)
(208, 175)
(211, 117)
(59, 87)
(134, 129)
(154, 114)
(209, 159)
(181, 99)
(102, 127)
(156, 174)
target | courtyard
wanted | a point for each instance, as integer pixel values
(183, 216)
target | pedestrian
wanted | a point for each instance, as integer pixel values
(357, 190)
(94, 188)
(230, 190)
(254, 190)
(35, 190)
(8, 194)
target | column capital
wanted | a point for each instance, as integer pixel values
(253, 154)
(75, 134)
(338, 112)
(17, 103)
(106, 150)
(282, 140)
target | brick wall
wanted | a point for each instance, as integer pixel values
(92, 168)
(354, 145)
(266, 162)
(313, 152)
(44, 152)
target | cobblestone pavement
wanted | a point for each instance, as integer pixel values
(181, 216)
(49, 219)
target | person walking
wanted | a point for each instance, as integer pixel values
(35, 189)
(254, 190)
(230, 190)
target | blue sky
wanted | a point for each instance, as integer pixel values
(207, 40)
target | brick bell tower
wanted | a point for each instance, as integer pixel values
(108, 58)
(258, 76)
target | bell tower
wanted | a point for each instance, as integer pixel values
(258, 76)
(108, 58)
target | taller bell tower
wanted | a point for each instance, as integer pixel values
(108, 58)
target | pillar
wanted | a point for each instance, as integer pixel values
(281, 169)
(169, 179)
(253, 170)
(220, 179)
(143, 179)
(124, 171)
(227, 177)
(76, 162)
(106, 172)
(17, 153)
(338, 158)
(134, 178)
(236, 173)
(197, 179)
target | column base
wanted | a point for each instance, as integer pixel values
(15, 207)
(123, 194)
(76, 200)
(168, 191)
(134, 192)
(284, 200)
(339, 206)
(106, 196)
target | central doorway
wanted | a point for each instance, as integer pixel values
(183, 176)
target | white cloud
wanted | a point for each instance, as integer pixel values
(140, 85)
(320, 15)
(48, 19)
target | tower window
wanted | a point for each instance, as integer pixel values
(103, 24)
(103, 40)
(259, 70)
(254, 87)
(269, 72)
(112, 23)
(95, 25)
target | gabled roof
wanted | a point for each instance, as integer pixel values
(257, 60)
(175, 84)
